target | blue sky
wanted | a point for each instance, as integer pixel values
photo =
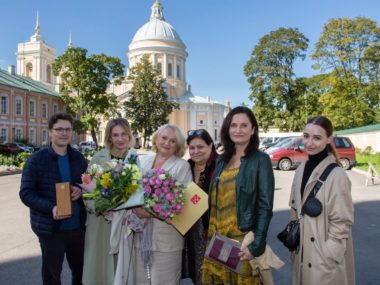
(219, 35)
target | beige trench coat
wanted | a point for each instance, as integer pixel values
(325, 255)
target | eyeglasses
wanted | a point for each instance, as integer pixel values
(197, 132)
(62, 130)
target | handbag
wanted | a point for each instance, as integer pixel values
(290, 236)
(312, 207)
(225, 251)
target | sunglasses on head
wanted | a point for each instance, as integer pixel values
(197, 132)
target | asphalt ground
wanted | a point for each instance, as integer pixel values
(20, 260)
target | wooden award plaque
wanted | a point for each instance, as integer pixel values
(63, 198)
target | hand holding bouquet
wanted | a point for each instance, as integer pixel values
(114, 186)
(163, 195)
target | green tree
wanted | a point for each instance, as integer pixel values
(84, 80)
(275, 92)
(147, 106)
(349, 51)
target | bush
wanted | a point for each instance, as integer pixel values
(367, 151)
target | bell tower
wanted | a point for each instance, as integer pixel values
(35, 59)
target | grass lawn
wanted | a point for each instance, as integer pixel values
(363, 159)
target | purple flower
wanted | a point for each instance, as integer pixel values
(147, 189)
(105, 192)
(157, 208)
(169, 196)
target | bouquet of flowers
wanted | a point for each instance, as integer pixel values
(163, 195)
(89, 177)
(113, 186)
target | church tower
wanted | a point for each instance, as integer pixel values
(35, 59)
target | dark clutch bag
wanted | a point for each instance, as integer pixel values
(225, 251)
(290, 236)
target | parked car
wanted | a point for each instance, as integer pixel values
(87, 145)
(291, 153)
(269, 139)
(24, 147)
(10, 148)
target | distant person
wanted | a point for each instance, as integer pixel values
(99, 260)
(242, 191)
(202, 163)
(325, 254)
(46, 167)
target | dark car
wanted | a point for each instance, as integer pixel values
(291, 153)
(10, 148)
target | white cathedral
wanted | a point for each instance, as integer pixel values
(167, 52)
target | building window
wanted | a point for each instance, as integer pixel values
(170, 69)
(4, 104)
(44, 136)
(215, 135)
(159, 67)
(201, 122)
(18, 106)
(178, 72)
(32, 136)
(3, 135)
(32, 108)
(18, 134)
(55, 108)
(29, 69)
(48, 73)
(44, 110)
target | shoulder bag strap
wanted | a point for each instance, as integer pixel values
(319, 183)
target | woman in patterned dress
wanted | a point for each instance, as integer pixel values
(241, 196)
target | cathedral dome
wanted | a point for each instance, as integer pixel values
(157, 28)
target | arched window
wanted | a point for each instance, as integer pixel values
(48, 73)
(29, 69)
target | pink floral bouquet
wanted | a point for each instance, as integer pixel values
(89, 177)
(163, 196)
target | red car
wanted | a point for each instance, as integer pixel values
(290, 153)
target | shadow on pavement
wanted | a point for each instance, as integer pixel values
(27, 271)
(366, 231)
(365, 235)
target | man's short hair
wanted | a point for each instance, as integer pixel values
(60, 116)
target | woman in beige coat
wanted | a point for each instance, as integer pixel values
(325, 255)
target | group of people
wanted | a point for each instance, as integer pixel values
(133, 247)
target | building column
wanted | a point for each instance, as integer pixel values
(175, 67)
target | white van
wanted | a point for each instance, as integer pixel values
(269, 139)
(87, 145)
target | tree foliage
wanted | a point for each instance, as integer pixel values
(276, 93)
(147, 106)
(84, 81)
(349, 51)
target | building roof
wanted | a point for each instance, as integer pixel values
(189, 97)
(26, 83)
(365, 129)
(157, 28)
